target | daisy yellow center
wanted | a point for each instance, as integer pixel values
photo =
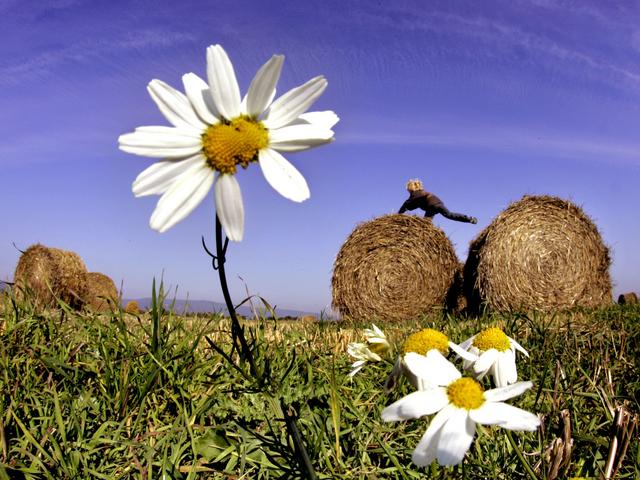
(227, 145)
(465, 393)
(492, 338)
(424, 340)
(378, 348)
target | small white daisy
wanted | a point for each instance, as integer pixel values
(495, 354)
(427, 342)
(376, 336)
(376, 345)
(460, 404)
(215, 131)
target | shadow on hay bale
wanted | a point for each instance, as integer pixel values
(541, 253)
(44, 274)
(99, 293)
(395, 267)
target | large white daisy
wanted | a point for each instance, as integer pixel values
(460, 404)
(495, 354)
(214, 131)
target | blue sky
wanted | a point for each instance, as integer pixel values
(484, 101)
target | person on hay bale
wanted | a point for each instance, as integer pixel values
(419, 198)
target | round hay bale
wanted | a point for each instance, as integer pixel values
(99, 292)
(541, 253)
(395, 267)
(44, 274)
(628, 298)
(132, 308)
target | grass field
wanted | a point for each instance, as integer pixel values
(120, 396)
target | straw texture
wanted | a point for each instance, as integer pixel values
(541, 253)
(99, 292)
(395, 267)
(44, 274)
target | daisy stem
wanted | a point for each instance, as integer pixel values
(237, 332)
(523, 460)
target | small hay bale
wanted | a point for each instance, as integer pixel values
(44, 274)
(541, 253)
(132, 308)
(395, 267)
(628, 298)
(99, 292)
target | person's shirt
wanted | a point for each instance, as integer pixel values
(423, 200)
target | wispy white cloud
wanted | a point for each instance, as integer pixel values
(507, 139)
(487, 37)
(43, 63)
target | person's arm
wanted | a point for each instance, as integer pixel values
(405, 206)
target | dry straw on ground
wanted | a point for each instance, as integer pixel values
(99, 292)
(394, 267)
(541, 253)
(44, 274)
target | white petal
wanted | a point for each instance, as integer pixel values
(263, 86)
(416, 405)
(354, 349)
(511, 373)
(283, 176)
(506, 416)
(174, 105)
(182, 197)
(425, 451)
(158, 142)
(229, 207)
(356, 368)
(467, 364)
(501, 368)
(432, 367)
(377, 331)
(223, 83)
(295, 102)
(199, 94)
(505, 393)
(486, 360)
(157, 179)
(295, 138)
(455, 438)
(505, 369)
(325, 119)
(518, 346)
(462, 353)
(467, 343)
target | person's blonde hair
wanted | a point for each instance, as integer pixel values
(414, 185)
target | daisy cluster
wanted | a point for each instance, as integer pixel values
(458, 402)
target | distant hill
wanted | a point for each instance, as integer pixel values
(206, 306)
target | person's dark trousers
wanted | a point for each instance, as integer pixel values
(444, 211)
